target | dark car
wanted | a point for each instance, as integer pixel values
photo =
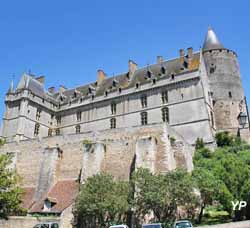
(153, 225)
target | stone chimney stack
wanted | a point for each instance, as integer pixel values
(159, 59)
(41, 79)
(100, 77)
(51, 89)
(190, 57)
(182, 56)
(132, 67)
(62, 88)
(190, 53)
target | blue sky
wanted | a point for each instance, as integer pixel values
(67, 41)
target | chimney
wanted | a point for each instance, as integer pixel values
(62, 88)
(190, 57)
(41, 79)
(182, 56)
(190, 53)
(51, 89)
(132, 67)
(100, 77)
(159, 59)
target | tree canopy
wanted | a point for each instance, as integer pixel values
(10, 194)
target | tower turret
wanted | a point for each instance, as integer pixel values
(225, 84)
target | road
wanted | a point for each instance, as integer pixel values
(245, 224)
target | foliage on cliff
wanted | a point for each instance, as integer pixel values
(223, 176)
(10, 194)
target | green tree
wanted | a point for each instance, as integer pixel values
(162, 194)
(102, 201)
(210, 189)
(2, 141)
(10, 194)
(224, 173)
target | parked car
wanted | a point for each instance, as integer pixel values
(119, 226)
(47, 225)
(183, 224)
(153, 225)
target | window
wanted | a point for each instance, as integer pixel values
(79, 116)
(54, 225)
(165, 114)
(212, 68)
(164, 97)
(38, 114)
(45, 226)
(113, 108)
(113, 123)
(144, 118)
(36, 131)
(137, 85)
(230, 94)
(58, 131)
(163, 70)
(50, 132)
(154, 81)
(149, 74)
(172, 76)
(120, 90)
(58, 120)
(78, 129)
(144, 101)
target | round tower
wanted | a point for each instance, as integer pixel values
(226, 88)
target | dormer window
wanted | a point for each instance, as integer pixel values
(48, 204)
(163, 70)
(114, 83)
(149, 74)
(90, 90)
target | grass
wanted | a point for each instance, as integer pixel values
(213, 216)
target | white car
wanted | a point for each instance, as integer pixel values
(183, 224)
(119, 226)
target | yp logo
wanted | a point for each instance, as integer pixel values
(238, 205)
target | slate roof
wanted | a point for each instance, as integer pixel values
(62, 194)
(211, 41)
(123, 81)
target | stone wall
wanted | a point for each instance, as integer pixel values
(111, 151)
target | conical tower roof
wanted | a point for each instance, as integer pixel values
(211, 41)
